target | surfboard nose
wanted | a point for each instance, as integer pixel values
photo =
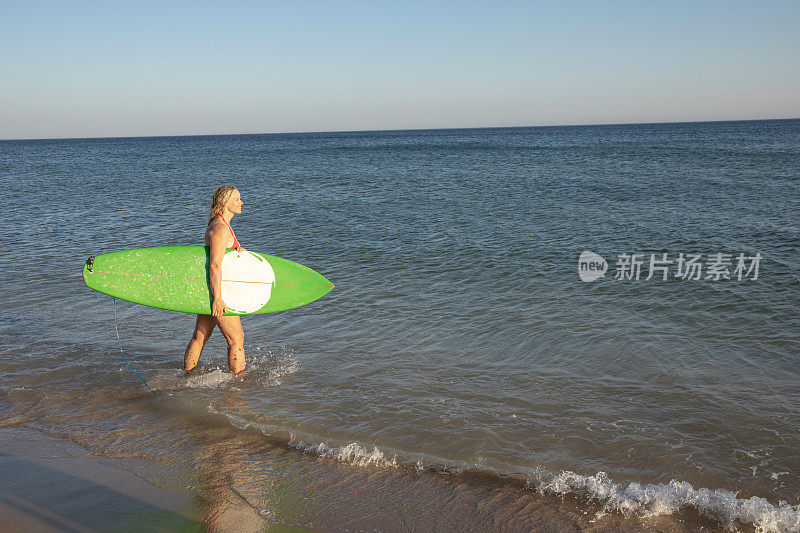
(326, 285)
(313, 286)
(295, 285)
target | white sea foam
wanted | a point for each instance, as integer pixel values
(653, 500)
(353, 453)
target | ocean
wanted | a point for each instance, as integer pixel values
(460, 342)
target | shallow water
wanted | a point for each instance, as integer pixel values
(459, 336)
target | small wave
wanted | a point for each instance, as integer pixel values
(664, 499)
(646, 501)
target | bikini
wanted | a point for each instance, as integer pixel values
(235, 240)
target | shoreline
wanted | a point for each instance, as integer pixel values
(52, 483)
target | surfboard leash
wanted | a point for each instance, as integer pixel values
(120, 348)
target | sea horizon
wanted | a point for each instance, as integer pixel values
(401, 130)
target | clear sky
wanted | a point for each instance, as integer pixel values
(108, 68)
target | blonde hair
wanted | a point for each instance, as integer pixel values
(221, 195)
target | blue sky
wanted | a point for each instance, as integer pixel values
(85, 69)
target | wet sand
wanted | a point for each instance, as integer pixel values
(49, 484)
(244, 484)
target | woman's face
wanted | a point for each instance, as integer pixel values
(234, 203)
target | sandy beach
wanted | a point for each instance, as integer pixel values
(52, 484)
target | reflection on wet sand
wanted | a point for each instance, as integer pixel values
(239, 486)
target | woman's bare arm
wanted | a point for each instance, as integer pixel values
(217, 237)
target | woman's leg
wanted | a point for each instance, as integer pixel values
(203, 327)
(231, 328)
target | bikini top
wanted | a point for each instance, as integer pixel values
(235, 240)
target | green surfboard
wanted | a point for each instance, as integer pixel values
(176, 278)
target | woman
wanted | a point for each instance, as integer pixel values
(226, 202)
